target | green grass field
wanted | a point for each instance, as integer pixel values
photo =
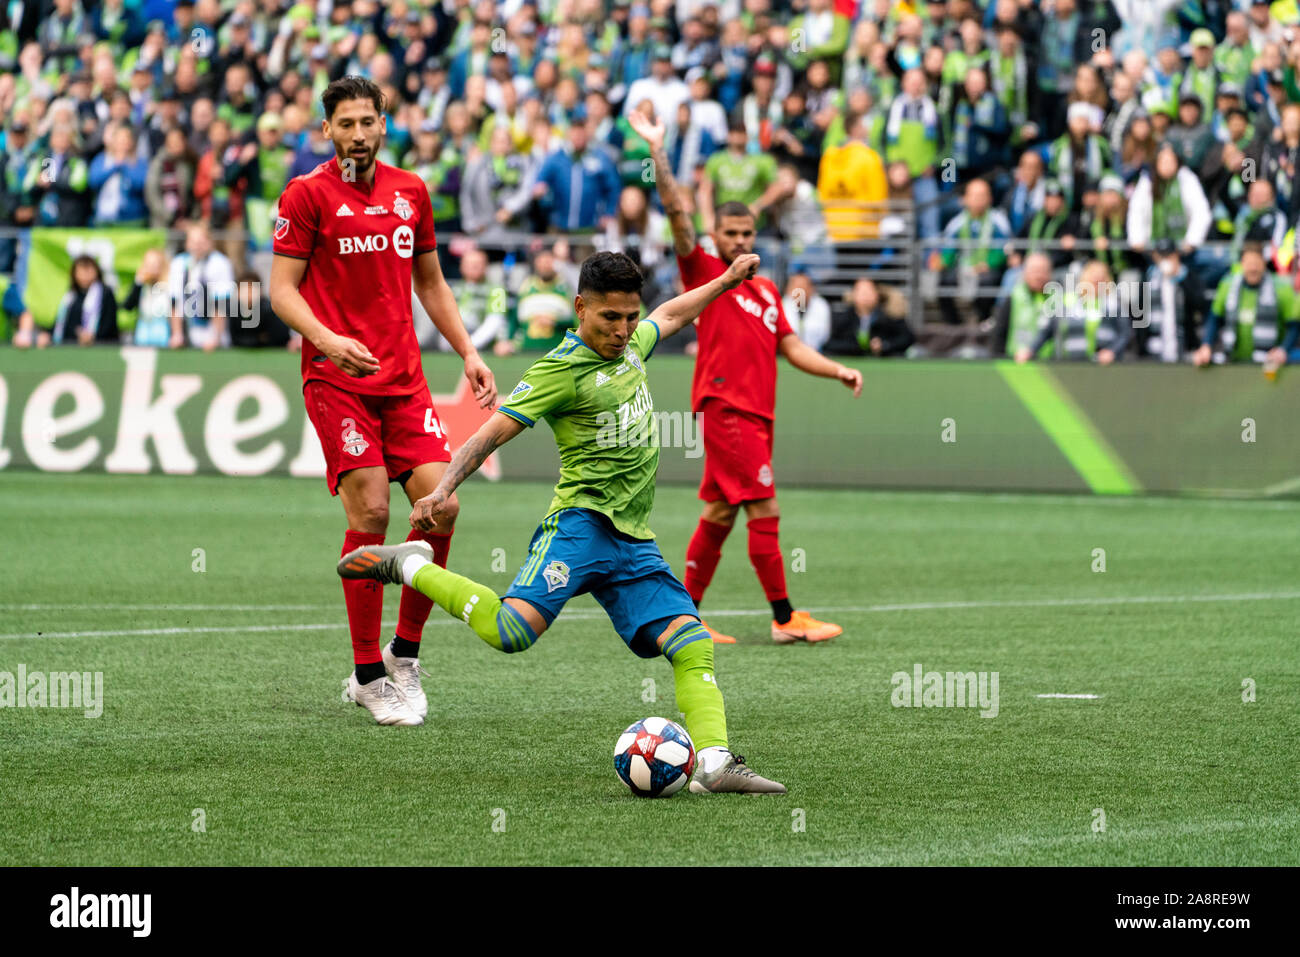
(222, 688)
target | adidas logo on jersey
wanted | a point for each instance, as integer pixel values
(343, 210)
(601, 378)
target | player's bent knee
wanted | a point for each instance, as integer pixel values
(720, 513)
(677, 623)
(763, 508)
(450, 509)
(514, 633)
(684, 630)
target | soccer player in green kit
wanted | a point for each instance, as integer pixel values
(592, 389)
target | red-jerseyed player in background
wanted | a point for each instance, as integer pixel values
(734, 393)
(352, 238)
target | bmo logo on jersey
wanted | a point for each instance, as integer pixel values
(756, 310)
(403, 243)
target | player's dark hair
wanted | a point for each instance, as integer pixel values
(1253, 246)
(609, 272)
(351, 88)
(733, 208)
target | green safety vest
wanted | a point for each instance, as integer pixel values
(1026, 315)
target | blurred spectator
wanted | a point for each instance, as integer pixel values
(735, 176)
(15, 204)
(545, 310)
(1020, 315)
(220, 183)
(1282, 162)
(1168, 203)
(1107, 226)
(169, 183)
(578, 186)
(1052, 230)
(637, 229)
(912, 137)
(1139, 150)
(201, 287)
(1079, 159)
(1191, 137)
(1084, 325)
(980, 130)
(825, 36)
(16, 322)
(1025, 197)
(1259, 221)
(634, 158)
(807, 310)
(494, 191)
(88, 312)
(688, 145)
(1168, 331)
(662, 87)
(483, 308)
(253, 323)
(799, 140)
(851, 180)
(149, 300)
(759, 113)
(1201, 77)
(1255, 316)
(972, 253)
(117, 177)
(871, 321)
(57, 181)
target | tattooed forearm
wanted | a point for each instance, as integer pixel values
(674, 208)
(466, 461)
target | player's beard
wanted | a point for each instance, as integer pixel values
(361, 163)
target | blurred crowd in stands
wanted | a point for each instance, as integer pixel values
(1079, 179)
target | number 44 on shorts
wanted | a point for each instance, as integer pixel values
(431, 423)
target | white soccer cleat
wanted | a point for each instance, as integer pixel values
(405, 673)
(382, 699)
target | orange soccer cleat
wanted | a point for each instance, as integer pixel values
(803, 627)
(718, 637)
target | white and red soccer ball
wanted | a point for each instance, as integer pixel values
(654, 757)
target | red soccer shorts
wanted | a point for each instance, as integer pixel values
(398, 432)
(737, 455)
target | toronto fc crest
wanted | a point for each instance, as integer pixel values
(353, 441)
(401, 207)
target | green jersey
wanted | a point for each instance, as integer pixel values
(740, 178)
(603, 419)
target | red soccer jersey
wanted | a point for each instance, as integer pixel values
(359, 241)
(738, 335)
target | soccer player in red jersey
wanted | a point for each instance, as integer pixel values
(734, 394)
(352, 238)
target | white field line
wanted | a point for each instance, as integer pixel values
(580, 615)
(1089, 697)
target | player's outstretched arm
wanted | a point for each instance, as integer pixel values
(494, 433)
(440, 303)
(686, 308)
(807, 359)
(678, 218)
(348, 354)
